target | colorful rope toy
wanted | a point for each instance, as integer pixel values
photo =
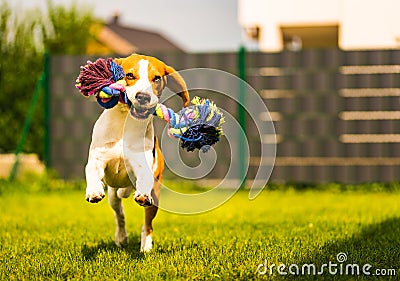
(196, 126)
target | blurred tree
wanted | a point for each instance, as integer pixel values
(20, 65)
(23, 39)
(66, 30)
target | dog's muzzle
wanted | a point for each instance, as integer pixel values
(141, 107)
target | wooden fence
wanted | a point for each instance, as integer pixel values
(336, 113)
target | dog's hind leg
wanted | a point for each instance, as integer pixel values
(121, 237)
(150, 213)
(124, 192)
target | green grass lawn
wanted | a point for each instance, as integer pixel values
(57, 235)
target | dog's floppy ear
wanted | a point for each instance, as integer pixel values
(118, 60)
(176, 84)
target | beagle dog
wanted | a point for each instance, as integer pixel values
(124, 147)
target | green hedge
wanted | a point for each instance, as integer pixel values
(24, 37)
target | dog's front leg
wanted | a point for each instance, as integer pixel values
(141, 163)
(94, 177)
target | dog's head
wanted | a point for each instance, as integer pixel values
(146, 77)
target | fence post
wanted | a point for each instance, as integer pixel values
(242, 113)
(27, 125)
(46, 73)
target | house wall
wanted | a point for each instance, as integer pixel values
(363, 24)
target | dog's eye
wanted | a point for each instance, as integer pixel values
(156, 78)
(130, 76)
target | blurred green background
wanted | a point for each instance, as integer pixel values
(24, 39)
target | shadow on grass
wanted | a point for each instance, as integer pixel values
(90, 252)
(376, 245)
(168, 249)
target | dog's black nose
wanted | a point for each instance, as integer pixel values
(143, 98)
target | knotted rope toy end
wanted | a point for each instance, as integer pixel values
(103, 79)
(196, 126)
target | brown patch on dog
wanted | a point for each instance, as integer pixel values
(158, 161)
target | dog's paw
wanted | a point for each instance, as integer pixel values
(146, 244)
(143, 200)
(121, 238)
(94, 196)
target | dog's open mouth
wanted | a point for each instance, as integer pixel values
(140, 112)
